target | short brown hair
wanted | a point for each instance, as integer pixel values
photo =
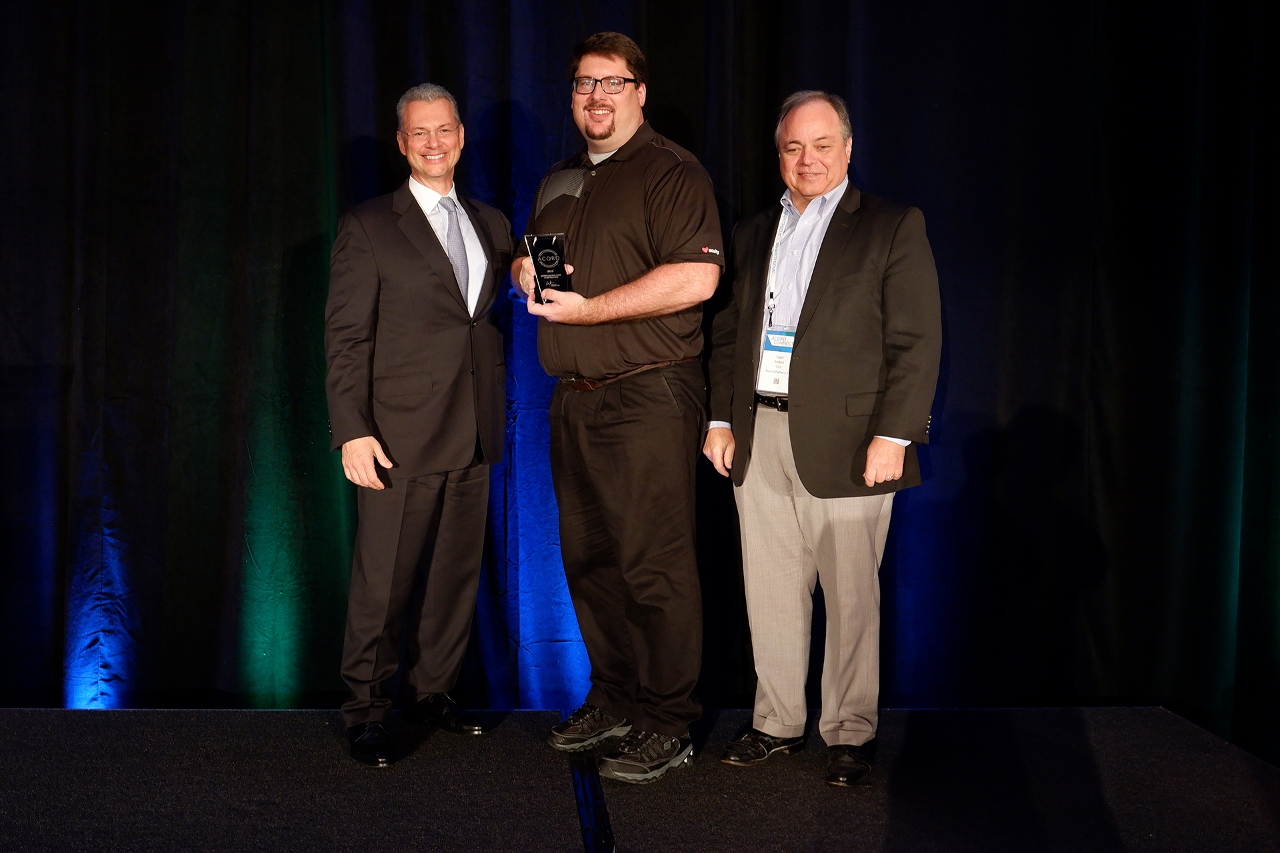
(808, 96)
(612, 44)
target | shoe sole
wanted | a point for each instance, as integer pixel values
(860, 782)
(685, 756)
(755, 762)
(373, 762)
(864, 782)
(585, 745)
(436, 724)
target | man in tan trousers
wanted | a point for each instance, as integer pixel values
(823, 368)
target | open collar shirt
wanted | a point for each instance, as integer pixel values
(795, 251)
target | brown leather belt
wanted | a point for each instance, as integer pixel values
(779, 403)
(580, 384)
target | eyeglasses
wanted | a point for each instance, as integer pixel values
(610, 85)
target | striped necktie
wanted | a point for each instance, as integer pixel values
(456, 247)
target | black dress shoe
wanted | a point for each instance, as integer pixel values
(755, 746)
(439, 709)
(370, 744)
(849, 766)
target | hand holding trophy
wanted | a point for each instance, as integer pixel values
(547, 253)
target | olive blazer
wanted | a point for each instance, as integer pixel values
(867, 346)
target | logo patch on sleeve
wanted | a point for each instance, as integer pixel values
(708, 249)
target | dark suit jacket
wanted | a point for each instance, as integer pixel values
(865, 358)
(407, 363)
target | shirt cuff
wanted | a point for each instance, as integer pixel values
(901, 442)
(722, 424)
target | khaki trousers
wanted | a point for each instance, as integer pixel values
(790, 541)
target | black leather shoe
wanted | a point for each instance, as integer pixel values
(849, 766)
(370, 744)
(439, 709)
(755, 746)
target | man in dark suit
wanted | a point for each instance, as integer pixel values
(416, 391)
(823, 368)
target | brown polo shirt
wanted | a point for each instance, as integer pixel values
(649, 204)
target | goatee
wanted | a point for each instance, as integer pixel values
(589, 133)
(602, 133)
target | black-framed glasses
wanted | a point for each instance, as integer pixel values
(610, 85)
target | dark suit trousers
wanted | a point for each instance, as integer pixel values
(428, 529)
(622, 460)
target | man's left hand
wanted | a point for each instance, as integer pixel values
(884, 461)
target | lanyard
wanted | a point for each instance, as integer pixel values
(772, 301)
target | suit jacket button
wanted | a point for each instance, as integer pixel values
(473, 371)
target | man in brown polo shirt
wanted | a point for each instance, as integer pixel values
(644, 247)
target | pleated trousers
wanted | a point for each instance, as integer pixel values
(425, 530)
(791, 540)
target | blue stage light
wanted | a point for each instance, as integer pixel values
(552, 661)
(102, 617)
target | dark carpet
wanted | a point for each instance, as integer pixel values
(274, 781)
(1109, 779)
(1133, 779)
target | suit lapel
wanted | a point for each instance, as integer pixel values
(414, 225)
(839, 230)
(489, 283)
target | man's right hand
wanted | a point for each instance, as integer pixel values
(522, 274)
(719, 449)
(358, 457)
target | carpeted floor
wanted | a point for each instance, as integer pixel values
(273, 781)
(1133, 779)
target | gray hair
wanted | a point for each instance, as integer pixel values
(425, 92)
(808, 96)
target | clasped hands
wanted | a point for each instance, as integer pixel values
(884, 458)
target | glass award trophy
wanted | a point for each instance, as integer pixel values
(547, 252)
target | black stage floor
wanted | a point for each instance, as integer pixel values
(1110, 779)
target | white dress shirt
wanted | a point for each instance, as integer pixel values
(795, 252)
(477, 264)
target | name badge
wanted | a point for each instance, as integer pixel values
(775, 361)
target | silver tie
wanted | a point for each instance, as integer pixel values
(456, 247)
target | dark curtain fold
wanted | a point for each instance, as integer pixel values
(1099, 521)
